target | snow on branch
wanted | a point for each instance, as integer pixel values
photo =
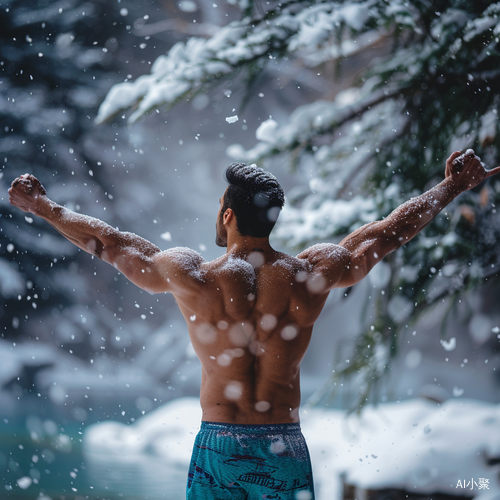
(489, 21)
(190, 65)
(298, 225)
(312, 120)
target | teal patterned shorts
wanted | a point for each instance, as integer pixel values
(250, 462)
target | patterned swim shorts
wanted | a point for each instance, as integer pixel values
(250, 462)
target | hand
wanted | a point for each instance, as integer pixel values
(25, 191)
(467, 170)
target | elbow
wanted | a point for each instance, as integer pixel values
(354, 272)
(359, 272)
(152, 290)
(94, 247)
(110, 255)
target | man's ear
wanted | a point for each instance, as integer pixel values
(228, 216)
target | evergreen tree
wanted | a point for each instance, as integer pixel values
(55, 68)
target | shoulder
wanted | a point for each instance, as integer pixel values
(329, 264)
(289, 264)
(181, 262)
(325, 251)
(184, 257)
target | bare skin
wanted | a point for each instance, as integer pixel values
(250, 313)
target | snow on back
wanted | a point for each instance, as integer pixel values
(239, 266)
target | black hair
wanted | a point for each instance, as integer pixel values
(256, 198)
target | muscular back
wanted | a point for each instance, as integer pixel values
(250, 319)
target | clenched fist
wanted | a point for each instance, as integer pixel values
(467, 170)
(25, 192)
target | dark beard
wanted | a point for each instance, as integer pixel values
(219, 240)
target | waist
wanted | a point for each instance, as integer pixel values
(251, 429)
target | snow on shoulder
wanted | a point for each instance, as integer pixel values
(187, 260)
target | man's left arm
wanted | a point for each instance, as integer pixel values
(349, 262)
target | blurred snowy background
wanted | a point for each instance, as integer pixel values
(354, 106)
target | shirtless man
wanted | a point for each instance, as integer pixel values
(250, 315)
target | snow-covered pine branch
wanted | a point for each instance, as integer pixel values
(318, 118)
(294, 27)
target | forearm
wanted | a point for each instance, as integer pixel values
(372, 242)
(93, 235)
(411, 217)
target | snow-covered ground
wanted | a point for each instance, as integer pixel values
(416, 445)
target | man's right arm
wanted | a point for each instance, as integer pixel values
(138, 259)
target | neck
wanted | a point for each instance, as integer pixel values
(248, 244)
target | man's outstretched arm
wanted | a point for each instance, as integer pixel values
(138, 259)
(345, 264)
